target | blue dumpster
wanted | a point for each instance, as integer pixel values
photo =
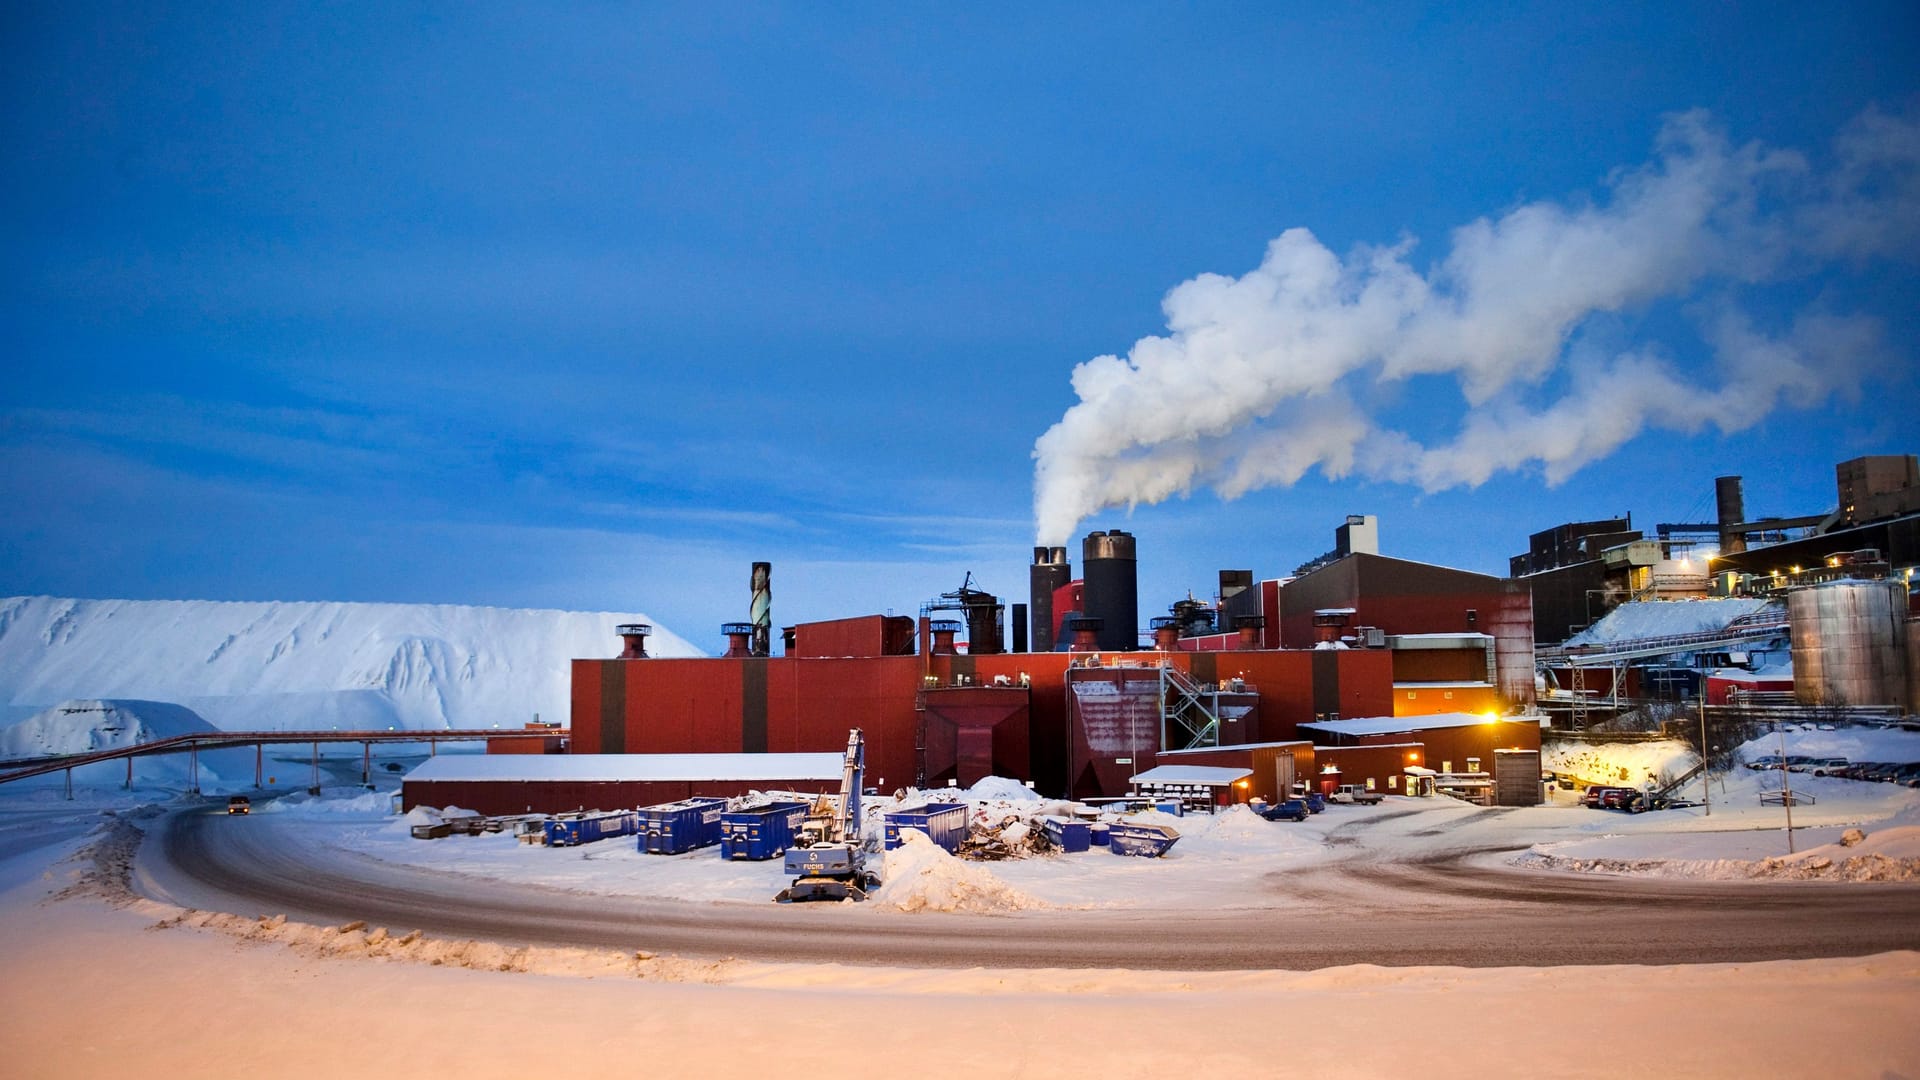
(764, 832)
(944, 823)
(1097, 833)
(671, 828)
(1068, 834)
(1133, 838)
(1171, 806)
(571, 830)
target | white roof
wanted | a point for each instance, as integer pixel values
(628, 767)
(1217, 775)
(1235, 746)
(1384, 725)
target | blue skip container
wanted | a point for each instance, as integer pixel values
(764, 832)
(572, 830)
(1146, 841)
(944, 823)
(1068, 834)
(1097, 833)
(671, 828)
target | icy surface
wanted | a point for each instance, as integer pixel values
(302, 666)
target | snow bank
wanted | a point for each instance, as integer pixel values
(83, 726)
(993, 789)
(919, 875)
(291, 666)
(1665, 618)
(1617, 763)
(365, 802)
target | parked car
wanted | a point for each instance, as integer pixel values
(1829, 766)
(1286, 810)
(1315, 802)
(239, 804)
(1765, 761)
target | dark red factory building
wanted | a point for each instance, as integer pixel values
(1083, 718)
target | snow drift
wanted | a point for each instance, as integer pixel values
(257, 666)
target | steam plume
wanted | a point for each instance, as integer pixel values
(1263, 377)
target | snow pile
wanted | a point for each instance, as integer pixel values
(919, 875)
(80, 727)
(294, 666)
(1639, 619)
(1881, 856)
(1632, 763)
(991, 789)
(366, 802)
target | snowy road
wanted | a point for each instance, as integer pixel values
(1445, 906)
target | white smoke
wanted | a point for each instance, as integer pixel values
(1258, 379)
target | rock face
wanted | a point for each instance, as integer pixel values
(299, 666)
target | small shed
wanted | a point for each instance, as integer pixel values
(551, 784)
(1199, 786)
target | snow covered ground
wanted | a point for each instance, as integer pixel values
(87, 974)
(304, 666)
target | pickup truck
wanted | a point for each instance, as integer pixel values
(1357, 793)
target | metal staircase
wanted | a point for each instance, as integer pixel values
(1187, 721)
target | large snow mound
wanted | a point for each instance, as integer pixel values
(83, 726)
(919, 875)
(263, 666)
(1639, 619)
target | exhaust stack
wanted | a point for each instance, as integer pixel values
(1050, 572)
(761, 613)
(1731, 505)
(738, 636)
(635, 637)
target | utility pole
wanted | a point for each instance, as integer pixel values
(1786, 785)
(1706, 754)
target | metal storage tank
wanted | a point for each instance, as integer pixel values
(1913, 667)
(1849, 643)
(1113, 590)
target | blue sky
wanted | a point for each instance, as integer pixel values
(590, 306)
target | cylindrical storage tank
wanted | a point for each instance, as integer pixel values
(1112, 588)
(1913, 666)
(1849, 643)
(1050, 572)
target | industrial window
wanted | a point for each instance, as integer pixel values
(1448, 694)
(1392, 782)
(1473, 764)
(1410, 695)
(1473, 618)
(1446, 766)
(1370, 782)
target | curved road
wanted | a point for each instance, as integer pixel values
(1444, 909)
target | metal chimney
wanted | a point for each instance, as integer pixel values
(943, 631)
(1731, 505)
(1113, 591)
(635, 636)
(1250, 627)
(1166, 633)
(738, 635)
(1086, 633)
(1050, 571)
(761, 613)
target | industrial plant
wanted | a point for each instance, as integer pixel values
(1360, 671)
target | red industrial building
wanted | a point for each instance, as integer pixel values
(1366, 636)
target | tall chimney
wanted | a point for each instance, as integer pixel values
(1050, 571)
(1113, 591)
(761, 614)
(635, 636)
(1732, 509)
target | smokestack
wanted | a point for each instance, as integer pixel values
(1250, 627)
(1112, 588)
(1050, 571)
(635, 636)
(738, 634)
(943, 631)
(761, 614)
(1017, 623)
(1733, 511)
(1086, 633)
(1166, 633)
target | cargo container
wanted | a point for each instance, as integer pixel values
(570, 830)
(763, 832)
(1068, 835)
(944, 823)
(671, 828)
(1133, 838)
